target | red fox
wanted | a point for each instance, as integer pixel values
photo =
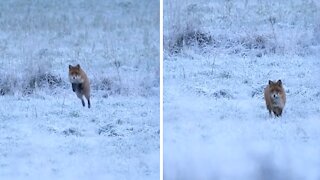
(80, 83)
(275, 97)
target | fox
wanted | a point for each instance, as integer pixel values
(80, 83)
(275, 97)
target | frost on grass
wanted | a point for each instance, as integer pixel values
(45, 131)
(45, 37)
(243, 28)
(216, 125)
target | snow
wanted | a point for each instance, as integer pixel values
(45, 133)
(216, 125)
(55, 137)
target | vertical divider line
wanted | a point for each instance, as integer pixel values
(161, 89)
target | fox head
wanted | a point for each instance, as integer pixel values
(75, 74)
(276, 90)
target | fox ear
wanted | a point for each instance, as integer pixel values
(279, 82)
(270, 82)
(78, 66)
(70, 66)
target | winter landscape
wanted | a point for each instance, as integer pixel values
(219, 56)
(45, 133)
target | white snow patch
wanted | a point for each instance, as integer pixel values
(216, 125)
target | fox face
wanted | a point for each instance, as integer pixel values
(75, 74)
(276, 91)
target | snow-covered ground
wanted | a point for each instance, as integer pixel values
(54, 137)
(45, 133)
(216, 125)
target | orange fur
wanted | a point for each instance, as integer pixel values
(275, 97)
(80, 83)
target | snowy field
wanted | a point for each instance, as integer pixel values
(216, 125)
(45, 131)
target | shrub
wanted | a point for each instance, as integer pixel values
(190, 38)
(41, 80)
(7, 85)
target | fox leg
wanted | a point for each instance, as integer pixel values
(89, 105)
(280, 113)
(88, 99)
(79, 94)
(277, 111)
(269, 109)
(80, 87)
(83, 104)
(74, 87)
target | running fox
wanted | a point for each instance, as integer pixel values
(80, 83)
(275, 97)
